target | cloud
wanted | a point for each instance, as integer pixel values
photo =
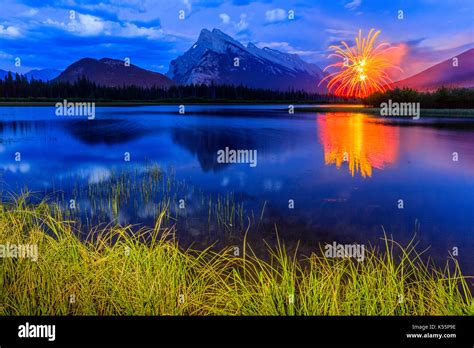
(304, 52)
(242, 24)
(353, 4)
(91, 26)
(187, 3)
(83, 25)
(276, 15)
(238, 27)
(279, 45)
(9, 32)
(338, 35)
(340, 31)
(225, 18)
(152, 34)
(449, 41)
(30, 12)
(285, 47)
(418, 55)
(5, 55)
(130, 30)
(87, 25)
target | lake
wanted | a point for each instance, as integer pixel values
(319, 177)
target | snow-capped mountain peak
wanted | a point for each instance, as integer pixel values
(216, 40)
(218, 58)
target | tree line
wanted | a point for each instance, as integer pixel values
(443, 98)
(20, 88)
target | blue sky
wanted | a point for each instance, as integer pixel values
(46, 34)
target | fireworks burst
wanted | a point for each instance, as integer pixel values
(362, 70)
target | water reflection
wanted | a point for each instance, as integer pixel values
(108, 131)
(363, 145)
(13, 129)
(297, 159)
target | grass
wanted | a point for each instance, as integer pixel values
(117, 272)
(134, 188)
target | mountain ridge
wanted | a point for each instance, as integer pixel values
(43, 74)
(110, 72)
(443, 74)
(37, 74)
(212, 60)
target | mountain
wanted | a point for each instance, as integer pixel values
(37, 74)
(443, 74)
(113, 73)
(211, 60)
(43, 74)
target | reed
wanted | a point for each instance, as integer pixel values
(118, 270)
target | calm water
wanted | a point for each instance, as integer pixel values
(345, 172)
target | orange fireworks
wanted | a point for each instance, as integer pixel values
(362, 70)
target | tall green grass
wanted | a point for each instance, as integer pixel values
(119, 271)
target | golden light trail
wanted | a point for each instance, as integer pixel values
(350, 138)
(362, 69)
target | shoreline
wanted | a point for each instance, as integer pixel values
(165, 103)
(435, 113)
